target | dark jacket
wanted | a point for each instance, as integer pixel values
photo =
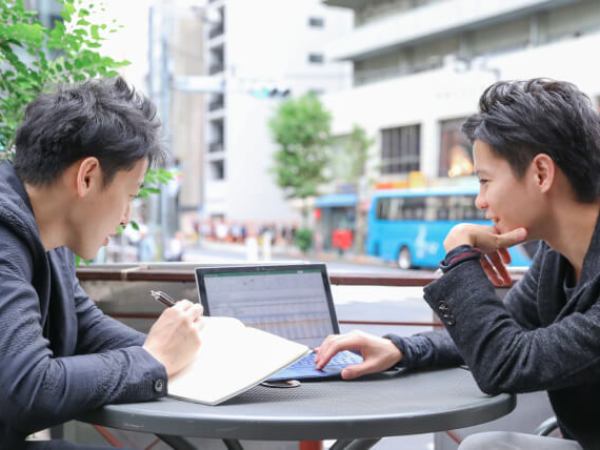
(59, 355)
(544, 336)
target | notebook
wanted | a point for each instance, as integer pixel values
(293, 301)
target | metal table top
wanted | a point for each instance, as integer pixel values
(373, 407)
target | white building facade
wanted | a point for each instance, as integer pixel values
(261, 52)
(421, 65)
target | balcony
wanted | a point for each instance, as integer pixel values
(428, 23)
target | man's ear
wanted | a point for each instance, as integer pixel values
(544, 171)
(88, 175)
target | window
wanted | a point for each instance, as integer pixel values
(315, 58)
(316, 22)
(217, 170)
(400, 149)
(383, 209)
(455, 150)
(217, 135)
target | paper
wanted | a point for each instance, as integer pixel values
(232, 359)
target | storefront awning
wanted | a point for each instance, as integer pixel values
(332, 200)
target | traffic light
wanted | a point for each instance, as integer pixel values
(271, 92)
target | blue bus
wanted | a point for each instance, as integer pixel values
(408, 226)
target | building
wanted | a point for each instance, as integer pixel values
(419, 67)
(184, 34)
(262, 52)
(165, 45)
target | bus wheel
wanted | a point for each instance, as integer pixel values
(404, 259)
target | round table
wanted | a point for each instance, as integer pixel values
(373, 407)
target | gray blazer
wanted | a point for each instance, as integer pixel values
(544, 336)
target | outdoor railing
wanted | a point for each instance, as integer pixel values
(105, 285)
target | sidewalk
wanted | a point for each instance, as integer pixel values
(291, 252)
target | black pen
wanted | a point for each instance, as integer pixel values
(160, 296)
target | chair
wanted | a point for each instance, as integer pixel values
(547, 427)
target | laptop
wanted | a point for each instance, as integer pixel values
(292, 300)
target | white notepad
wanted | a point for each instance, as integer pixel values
(232, 359)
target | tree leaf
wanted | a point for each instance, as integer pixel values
(94, 31)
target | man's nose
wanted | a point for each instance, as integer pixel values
(480, 202)
(126, 216)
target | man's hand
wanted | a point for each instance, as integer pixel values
(173, 339)
(378, 353)
(493, 245)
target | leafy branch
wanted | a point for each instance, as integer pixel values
(34, 58)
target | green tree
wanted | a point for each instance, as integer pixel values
(35, 58)
(302, 129)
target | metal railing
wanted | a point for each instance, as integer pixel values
(185, 274)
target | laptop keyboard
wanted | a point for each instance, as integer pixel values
(344, 358)
(304, 369)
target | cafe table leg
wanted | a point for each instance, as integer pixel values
(310, 445)
(233, 444)
(176, 442)
(354, 444)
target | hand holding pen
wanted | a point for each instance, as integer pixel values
(174, 338)
(163, 298)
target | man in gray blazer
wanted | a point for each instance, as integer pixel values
(536, 147)
(81, 156)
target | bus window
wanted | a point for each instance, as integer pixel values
(396, 212)
(432, 206)
(462, 207)
(470, 211)
(383, 209)
(413, 208)
(439, 206)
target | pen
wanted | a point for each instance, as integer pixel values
(160, 296)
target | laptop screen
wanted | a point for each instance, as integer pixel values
(292, 301)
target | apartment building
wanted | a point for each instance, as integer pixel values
(260, 53)
(419, 67)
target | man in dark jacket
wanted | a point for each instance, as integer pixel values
(536, 148)
(81, 155)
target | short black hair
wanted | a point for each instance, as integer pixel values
(519, 119)
(106, 119)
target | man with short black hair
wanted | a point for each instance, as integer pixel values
(81, 156)
(536, 147)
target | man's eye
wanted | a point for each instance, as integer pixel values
(482, 181)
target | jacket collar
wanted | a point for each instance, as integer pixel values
(8, 174)
(591, 261)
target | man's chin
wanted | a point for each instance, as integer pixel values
(87, 253)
